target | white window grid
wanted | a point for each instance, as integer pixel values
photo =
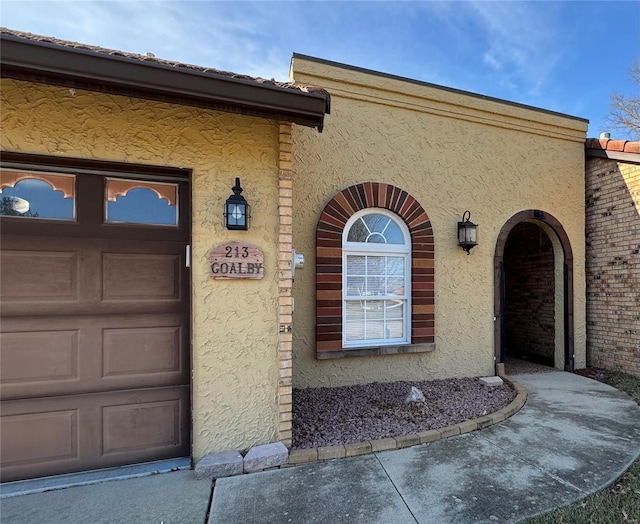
(364, 298)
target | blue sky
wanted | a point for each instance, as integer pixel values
(564, 56)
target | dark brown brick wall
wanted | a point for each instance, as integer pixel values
(613, 264)
(329, 261)
(530, 294)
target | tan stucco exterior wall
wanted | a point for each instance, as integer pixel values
(452, 152)
(235, 322)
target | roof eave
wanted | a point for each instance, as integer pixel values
(85, 69)
(621, 156)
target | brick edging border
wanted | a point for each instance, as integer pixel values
(311, 455)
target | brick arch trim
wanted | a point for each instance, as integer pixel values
(329, 268)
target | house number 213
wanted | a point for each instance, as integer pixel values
(236, 251)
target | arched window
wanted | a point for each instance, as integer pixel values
(374, 274)
(376, 257)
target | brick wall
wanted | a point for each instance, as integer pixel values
(613, 264)
(530, 294)
(285, 281)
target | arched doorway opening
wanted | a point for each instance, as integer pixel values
(533, 267)
(529, 295)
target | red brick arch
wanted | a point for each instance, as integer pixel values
(329, 268)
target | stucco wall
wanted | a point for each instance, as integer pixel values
(452, 152)
(235, 323)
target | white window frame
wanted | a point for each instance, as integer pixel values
(375, 249)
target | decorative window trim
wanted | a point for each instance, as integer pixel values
(117, 187)
(63, 183)
(329, 265)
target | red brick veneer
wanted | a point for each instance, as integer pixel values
(329, 263)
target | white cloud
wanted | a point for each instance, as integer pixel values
(221, 35)
(516, 42)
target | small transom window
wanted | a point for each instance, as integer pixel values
(37, 195)
(140, 202)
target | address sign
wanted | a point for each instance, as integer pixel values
(236, 260)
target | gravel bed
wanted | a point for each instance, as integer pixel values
(349, 414)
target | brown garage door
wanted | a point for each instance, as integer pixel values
(94, 342)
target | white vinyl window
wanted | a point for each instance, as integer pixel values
(376, 280)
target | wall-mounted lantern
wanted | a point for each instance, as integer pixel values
(236, 210)
(467, 233)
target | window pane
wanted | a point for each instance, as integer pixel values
(374, 310)
(394, 329)
(393, 234)
(395, 266)
(386, 227)
(139, 202)
(355, 286)
(375, 330)
(375, 228)
(376, 222)
(376, 238)
(37, 195)
(375, 286)
(393, 308)
(395, 286)
(358, 232)
(354, 331)
(370, 320)
(376, 265)
(355, 310)
(356, 265)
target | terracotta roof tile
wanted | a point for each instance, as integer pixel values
(616, 145)
(152, 59)
(606, 144)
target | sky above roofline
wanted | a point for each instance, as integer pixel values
(567, 56)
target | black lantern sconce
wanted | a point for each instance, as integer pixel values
(236, 210)
(467, 233)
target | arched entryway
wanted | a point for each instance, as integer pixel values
(533, 267)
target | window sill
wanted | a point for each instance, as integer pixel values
(377, 351)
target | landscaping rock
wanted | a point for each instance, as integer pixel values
(492, 381)
(415, 395)
(324, 417)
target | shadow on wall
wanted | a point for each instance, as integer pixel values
(529, 295)
(613, 264)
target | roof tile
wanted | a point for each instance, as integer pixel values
(632, 147)
(616, 145)
(149, 57)
(621, 146)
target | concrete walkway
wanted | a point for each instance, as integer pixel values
(573, 437)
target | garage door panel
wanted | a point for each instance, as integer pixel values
(141, 351)
(79, 277)
(49, 356)
(139, 276)
(65, 434)
(39, 276)
(141, 425)
(30, 438)
(75, 355)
